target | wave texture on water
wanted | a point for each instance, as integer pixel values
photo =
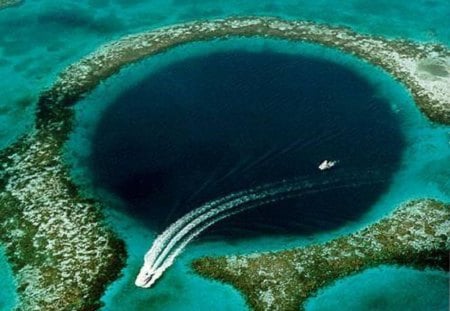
(171, 243)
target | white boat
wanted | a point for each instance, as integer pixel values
(326, 165)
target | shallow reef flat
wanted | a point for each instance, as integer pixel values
(8, 3)
(415, 234)
(423, 68)
(63, 254)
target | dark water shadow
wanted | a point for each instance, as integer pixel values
(207, 126)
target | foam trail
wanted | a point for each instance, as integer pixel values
(176, 231)
(172, 241)
(239, 205)
(205, 216)
(181, 246)
(161, 241)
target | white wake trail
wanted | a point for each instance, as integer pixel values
(236, 206)
(174, 239)
(163, 239)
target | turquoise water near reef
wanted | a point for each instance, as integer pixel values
(8, 296)
(40, 38)
(422, 173)
(207, 126)
(385, 289)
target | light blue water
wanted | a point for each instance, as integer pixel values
(386, 289)
(8, 296)
(40, 38)
(422, 174)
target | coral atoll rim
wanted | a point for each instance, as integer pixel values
(61, 251)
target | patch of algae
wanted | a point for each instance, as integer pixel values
(416, 234)
(420, 67)
(9, 3)
(62, 253)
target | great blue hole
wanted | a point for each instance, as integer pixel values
(206, 126)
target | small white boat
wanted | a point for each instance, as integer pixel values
(326, 165)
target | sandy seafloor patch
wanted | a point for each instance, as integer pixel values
(423, 174)
(40, 38)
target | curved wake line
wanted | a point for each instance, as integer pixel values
(171, 243)
(161, 241)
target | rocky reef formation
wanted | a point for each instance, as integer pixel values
(416, 234)
(60, 249)
(423, 68)
(62, 253)
(9, 3)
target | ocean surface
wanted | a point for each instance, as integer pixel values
(8, 296)
(206, 119)
(211, 125)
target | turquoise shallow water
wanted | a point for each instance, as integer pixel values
(422, 174)
(386, 289)
(39, 39)
(8, 295)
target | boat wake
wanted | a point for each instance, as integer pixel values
(171, 243)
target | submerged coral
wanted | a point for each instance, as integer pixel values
(62, 252)
(8, 3)
(416, 234)
(402, 59)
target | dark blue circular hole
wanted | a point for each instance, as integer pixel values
(207, 126)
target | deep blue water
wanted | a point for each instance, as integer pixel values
(207, 126)
(41, 38)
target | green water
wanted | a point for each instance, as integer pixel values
(40, 38)
(422, 174)
(386, 289)
(8, 296)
